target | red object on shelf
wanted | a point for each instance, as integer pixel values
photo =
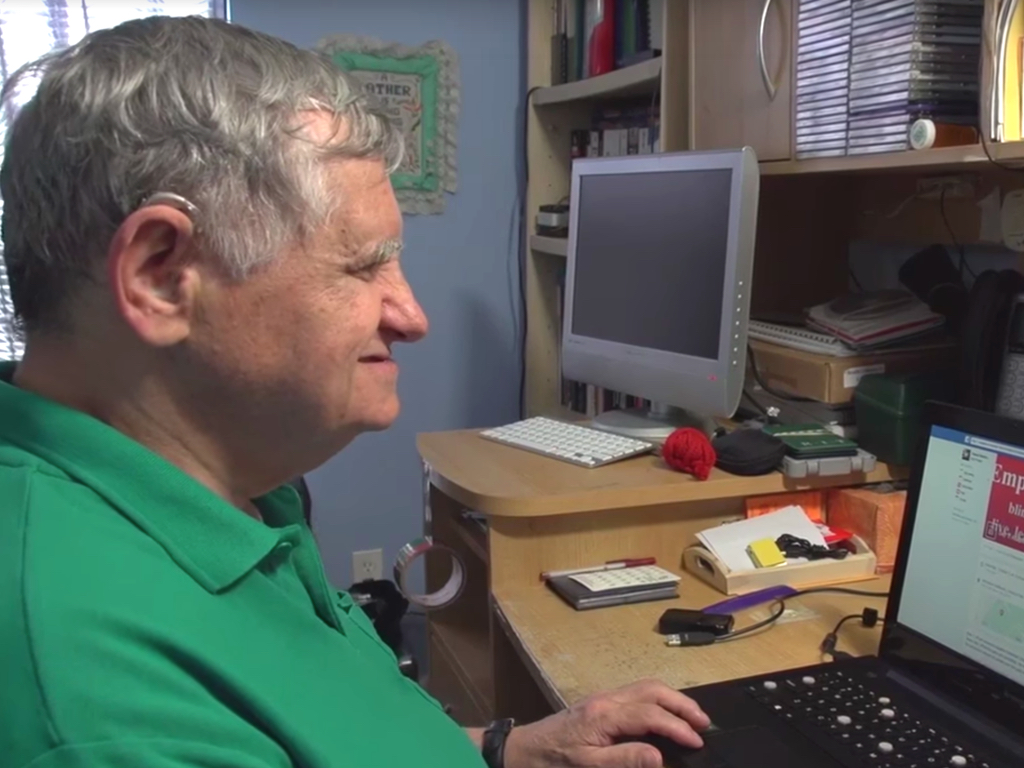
(689, 450)
(600, 37)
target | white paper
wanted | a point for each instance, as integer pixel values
(640, 576)
(729, 542)
(991, 229)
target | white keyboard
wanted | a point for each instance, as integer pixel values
(583, 446)
(798, 338)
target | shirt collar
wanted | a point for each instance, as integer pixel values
(216, 543)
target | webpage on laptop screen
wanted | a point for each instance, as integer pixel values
(964, 584)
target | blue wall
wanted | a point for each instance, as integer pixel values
(466, 372)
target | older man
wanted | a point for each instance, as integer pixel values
(202, 245)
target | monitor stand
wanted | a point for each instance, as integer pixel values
(654, 424)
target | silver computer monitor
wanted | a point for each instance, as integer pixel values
(657, 292)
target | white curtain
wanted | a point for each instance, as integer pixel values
(30, 28)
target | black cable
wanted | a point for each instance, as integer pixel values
(988, 154)
(800, 593)
(656, 95)
(952, 236)
(524, 255)
(856, 281)
(868, 618)
(690, 639)
(763, 624)
(760, 408)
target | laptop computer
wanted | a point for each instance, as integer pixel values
(947, 688)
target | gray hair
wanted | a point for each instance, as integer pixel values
(191, 106)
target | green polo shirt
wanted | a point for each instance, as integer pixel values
(147, 623)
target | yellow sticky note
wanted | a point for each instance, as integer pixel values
(765, 554)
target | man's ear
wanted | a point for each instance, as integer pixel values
(153, 280)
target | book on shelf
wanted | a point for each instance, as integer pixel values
(632, 129)
(635, 33)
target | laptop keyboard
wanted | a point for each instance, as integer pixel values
(850, 708)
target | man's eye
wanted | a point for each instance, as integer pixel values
(367, 270)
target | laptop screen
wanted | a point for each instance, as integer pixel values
(963, 586)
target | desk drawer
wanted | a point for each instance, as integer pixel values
(445, 683)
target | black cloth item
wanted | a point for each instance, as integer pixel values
(748, 452)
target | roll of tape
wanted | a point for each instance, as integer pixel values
(447, 594)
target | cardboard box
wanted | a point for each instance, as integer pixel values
(812, 502)
(833, 379)
(874, 516)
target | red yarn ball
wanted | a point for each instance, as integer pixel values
(689, 450)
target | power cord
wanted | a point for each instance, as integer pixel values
(868, 618)
(952, 236)
(523, 253)
(691, 639)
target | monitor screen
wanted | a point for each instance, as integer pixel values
(964, 581)
(651, 259)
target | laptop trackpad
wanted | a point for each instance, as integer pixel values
(746, 747)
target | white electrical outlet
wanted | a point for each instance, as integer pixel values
(367, 565)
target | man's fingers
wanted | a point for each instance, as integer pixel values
(637, 720)
(628, 756)
(683, 706)
(680, 705)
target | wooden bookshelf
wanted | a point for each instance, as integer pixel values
(810, 209)
(641, 79)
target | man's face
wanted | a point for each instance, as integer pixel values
(309, 339)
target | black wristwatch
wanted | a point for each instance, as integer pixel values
(493, 747)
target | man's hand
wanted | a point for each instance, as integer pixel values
(595, 733)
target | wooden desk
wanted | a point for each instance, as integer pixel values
(506, 647)
(573, 654)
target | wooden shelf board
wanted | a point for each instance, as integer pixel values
(469, 653)
(474, 538)
(1011, 153)
(555, 246)
(503, 481)
(637, 79)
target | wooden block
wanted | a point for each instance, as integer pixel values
(875, 517)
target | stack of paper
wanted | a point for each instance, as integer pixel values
(729, 542)
(872, 319)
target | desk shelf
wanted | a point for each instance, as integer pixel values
(643, 79)
(506, 481)
(554, 246)
(473, 537)
(960, 159)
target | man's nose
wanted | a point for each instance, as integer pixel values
(403, 315)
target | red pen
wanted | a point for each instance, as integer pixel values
(611, 565)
